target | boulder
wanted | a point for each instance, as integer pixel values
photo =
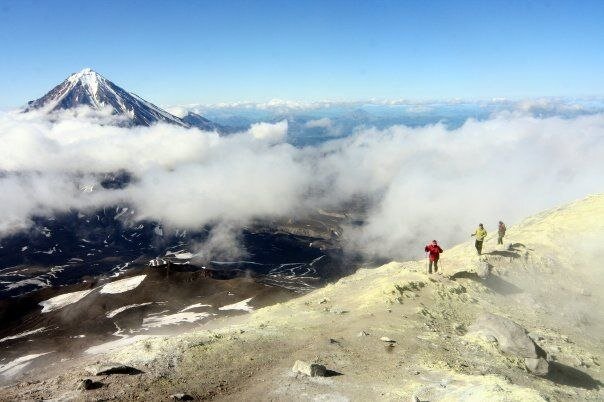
(483, 269)
(512, 339)
(309, 369)
(85, 385)
(538, 366)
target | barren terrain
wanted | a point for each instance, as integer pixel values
(387, 333)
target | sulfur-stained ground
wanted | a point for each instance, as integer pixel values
(547, 277)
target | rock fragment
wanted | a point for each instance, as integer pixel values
(309, 369)
(85, 385)
(181, 397)
(459, 328)
(483, 269)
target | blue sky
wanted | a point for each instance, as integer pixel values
(173, 52)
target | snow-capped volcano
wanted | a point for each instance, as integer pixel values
(89, 88)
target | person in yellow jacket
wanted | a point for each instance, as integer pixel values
(480, 234)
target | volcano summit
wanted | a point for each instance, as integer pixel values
(89, 88)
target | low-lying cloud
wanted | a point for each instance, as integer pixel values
(547, 105)
(427, 182)
(324, 122)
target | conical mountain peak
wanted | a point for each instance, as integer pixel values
(89, 88)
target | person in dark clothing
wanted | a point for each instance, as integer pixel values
(501, 232)
(433, 251)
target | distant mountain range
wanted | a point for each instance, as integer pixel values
(89, 88)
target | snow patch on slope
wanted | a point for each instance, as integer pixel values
(242, 305)
(123, 285)
(15, 366)
(194, 306)
(172, 319)
(114, 345)
(115, 312)
(63, 300)
(22, 334)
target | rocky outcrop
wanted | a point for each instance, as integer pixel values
(309, 369)
(512, 339)
(483, 269)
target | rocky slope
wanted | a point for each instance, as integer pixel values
(391, 333)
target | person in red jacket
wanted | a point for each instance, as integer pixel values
(433, 251)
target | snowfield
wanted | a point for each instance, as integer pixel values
(173, 319)
(63, 300)
(115, 312)
(22, 334)
(123, 285)
(242, 305)
(15, 366)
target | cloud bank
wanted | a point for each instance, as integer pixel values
(424, 183)
(547, 105)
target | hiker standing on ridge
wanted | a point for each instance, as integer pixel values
(480, 235)
(433, 251)
(501, 232)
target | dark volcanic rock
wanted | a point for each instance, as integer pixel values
(65, 248)
(195, 120)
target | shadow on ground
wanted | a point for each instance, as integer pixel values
(95, 385)
(505, 253)
(566, 375)
(495, 283)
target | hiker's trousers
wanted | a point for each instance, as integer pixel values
(478, 245)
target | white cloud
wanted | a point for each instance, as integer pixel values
(178, 111)
(27, 194)
(72, 144)
(319, 123)
(427, 182)
(439, 183)
(269, 132)
(551, 105)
